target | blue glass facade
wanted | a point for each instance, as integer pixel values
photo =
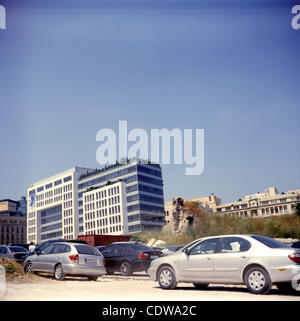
(144, 193)
(51, 223)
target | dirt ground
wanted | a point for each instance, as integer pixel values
(136, 288)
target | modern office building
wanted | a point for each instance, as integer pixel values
(144, 193)
(105, 210)
(52, 208)
(57, 207)
(268, 203)
(12, 221)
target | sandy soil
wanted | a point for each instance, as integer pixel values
(137, 288)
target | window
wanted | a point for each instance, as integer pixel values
(85, 249)
(67, 179)
(58, 182)
(234, 244)
(205, 247)
(48, 185)
(61, 248)
(273, 244)
(48, 249)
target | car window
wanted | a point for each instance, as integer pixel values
(48, 249)
(61, 248)
(16, 249)
(273, 244)
(108, 250)
(85, 249)
(3, 250)
(233, 245)
(205, 247)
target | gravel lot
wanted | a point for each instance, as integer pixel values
(136, 288)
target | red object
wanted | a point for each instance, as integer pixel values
(143, 255)
(100, 239)
(74, 258)
(295, 257)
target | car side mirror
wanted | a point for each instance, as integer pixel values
(38, 252)
(187, 251)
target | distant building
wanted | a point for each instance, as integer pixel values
(268, 203)
(105, 210)
(12, 221)
(65, 205)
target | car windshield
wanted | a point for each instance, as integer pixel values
(141, 247)
(273, 244)
(85, 249)
(16, 249)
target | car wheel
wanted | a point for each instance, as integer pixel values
(59, 273)
(125, 268)
(166, 278)
(258, 281)
(92, 278)
(28, 268)
(201, 286)
(286, 287)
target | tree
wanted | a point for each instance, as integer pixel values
(297, 209)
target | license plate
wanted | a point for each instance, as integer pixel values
(91, 261)
(153, 257)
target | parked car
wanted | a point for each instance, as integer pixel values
(296, 245)
(16, 253)
(254, 260)
(128, 257)
(64, 258)
(25, 245)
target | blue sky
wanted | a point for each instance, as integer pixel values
(71, 68)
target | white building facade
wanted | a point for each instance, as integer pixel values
(105, 210)
(52, 207)
(268, 203)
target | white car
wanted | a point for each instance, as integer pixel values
(254, 260)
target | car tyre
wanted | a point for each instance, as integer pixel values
(28, 268)
(92, 278)
(59, 274)
(125, 268)
(166, 278)
(257, 280)
(201, 286)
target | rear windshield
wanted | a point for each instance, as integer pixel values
(16, 249)
(141, 247)
(85, 249)
(273, 244)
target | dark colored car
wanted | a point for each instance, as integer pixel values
(128, 257)
(16, 253)
(25, 245)
(296, 245)
(100, 248)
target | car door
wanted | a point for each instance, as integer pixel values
(231, 257)
(42, 260)
(57, 255)
(197, 263)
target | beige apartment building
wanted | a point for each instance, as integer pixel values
(12, 222)
(268, 203)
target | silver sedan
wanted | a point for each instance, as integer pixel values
(254, 260)
(61, 259)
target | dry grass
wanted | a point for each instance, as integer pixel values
(287, 226)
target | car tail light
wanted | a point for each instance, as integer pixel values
(295, 257)
(74, 258)
(143, 256)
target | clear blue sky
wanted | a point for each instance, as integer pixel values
(70, 68)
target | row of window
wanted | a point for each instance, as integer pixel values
(106, 230)
(52, 235)
(51, 227)
(144, 197)
(103, 222)
(145, 207)
(50, 185)
(12, 229)
(107, 177)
